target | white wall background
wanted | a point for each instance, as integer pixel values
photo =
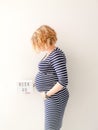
(76, 23)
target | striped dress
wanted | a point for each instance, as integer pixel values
(52, 70)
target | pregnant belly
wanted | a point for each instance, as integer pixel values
(44, 82)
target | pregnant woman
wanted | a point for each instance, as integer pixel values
(52, 79)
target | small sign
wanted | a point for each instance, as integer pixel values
(25, 87)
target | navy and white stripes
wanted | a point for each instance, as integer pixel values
(54, 110)
(52, 70)
(58, 61)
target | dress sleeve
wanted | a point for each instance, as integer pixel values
(58, 62)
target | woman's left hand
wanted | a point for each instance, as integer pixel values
(43, 95)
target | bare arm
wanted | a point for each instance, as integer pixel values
(55, 89)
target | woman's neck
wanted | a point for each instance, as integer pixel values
(50, 49)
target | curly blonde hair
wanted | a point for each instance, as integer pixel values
(43, 37)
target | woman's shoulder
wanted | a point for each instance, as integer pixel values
(58, 52)
(58, 55)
